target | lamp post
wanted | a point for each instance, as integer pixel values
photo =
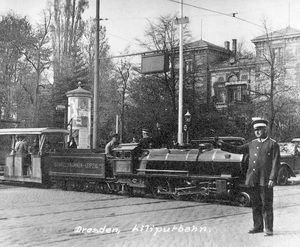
(188, 119)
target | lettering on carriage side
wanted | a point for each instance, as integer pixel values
(154, 230)
(76, 165)
(60, 164)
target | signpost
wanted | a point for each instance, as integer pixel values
(155, 63)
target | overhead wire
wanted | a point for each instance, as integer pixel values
(233, 15)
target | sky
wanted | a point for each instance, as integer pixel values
(210, 20)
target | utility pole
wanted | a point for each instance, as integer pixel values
(180, 21)
(96, 79)
(180, 98)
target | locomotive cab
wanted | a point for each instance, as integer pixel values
(127, 157)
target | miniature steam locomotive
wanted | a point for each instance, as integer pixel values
(204, 173)
(196, 174)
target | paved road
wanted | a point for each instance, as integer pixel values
(41, 217)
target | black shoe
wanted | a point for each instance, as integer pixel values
(268, 233)
(252, 231)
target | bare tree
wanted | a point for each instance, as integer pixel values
(67, 30)
(38, 55)
(272, 92)
(163, 36)
(16, 35)
(125, 71)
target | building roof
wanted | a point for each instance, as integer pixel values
(202, 44)
(79, 92)
(239, 63)
(287, 32)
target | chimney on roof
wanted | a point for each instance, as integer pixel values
(234, 46)
(227, 45)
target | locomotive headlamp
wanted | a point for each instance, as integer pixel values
(134, 180)
(227, 156)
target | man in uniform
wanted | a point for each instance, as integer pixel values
(159, 137)
(264, 162)
(146, 141)
(111, 145)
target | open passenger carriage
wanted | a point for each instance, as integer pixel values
(32, 162)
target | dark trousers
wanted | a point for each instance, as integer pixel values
(262, 207)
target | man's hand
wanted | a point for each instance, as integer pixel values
(219, 143)
(271, 184)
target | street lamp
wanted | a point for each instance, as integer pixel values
(188, 119)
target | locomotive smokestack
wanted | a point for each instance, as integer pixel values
(234, 46)
(227, 45)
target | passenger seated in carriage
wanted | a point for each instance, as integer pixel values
(34, 149)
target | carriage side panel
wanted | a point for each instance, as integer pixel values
(88, 165)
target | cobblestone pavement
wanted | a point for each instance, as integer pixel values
(41, 217)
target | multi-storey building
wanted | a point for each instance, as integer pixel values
(282, 48)
(231, 82)
(226, 79)
(228, 83)
(199, 57)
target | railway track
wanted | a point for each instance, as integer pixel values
(52, 215)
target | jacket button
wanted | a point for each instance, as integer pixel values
(254, 170)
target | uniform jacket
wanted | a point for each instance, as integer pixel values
(264, 160)
(146, 142)
(109, 148)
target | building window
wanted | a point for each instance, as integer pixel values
(233, 78)
(188, 66)
(220, 92)
(221, 79)
(221, 97)
(236, 93)
(277, 52)
(2, 112)
(244, 77)
(298, 50)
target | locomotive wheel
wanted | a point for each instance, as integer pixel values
(70, 185)
(244, 199)
(100, 188)
(179, 197)
(88, 187)
(103, 188)
(79, 186)
(197, 197)
(160, 186)
(61, 184)
(282, 177)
